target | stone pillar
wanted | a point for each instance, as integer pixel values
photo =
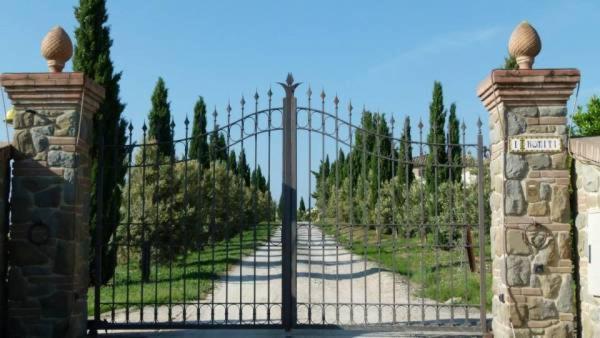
(530, 229)
(49, 238)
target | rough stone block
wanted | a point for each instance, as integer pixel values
(559, 205)
(23, 119)
(23, 142)
(540, 308)
(57, 158)
(545, 191)
(537, 209)
(564, 301)
(539, 161)
(67, 124)
(559, 161)
(550, 284)
(514, 199)
(518, 270)
(590, 178)
(516, 166)
(552, 111)
(516, 124)
(532, 191)
(515, 242)
(531, 111)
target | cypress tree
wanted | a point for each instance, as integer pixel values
(160, 119)
(199, 143)
(434, 173)
(243, 169)
(92, 56)
(405, 164)
(217, 146)
(301, 209)
(454, 144)
(233, 162)
(259, 180)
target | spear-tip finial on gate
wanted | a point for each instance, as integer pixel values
(524, 45)
(479, 124)
(350, 106)
(57, 49)
(289, 86)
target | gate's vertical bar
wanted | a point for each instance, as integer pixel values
(186, 157)
(229, 202)
(351, 208)
(309, 112)
(269, 126)
(254, 197)
(288, 231)
(480, 182)
(336, 101)
(322, 177)
(99, 214)
(130, 151)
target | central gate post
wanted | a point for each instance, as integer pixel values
(288, 227)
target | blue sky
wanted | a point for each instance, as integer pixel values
(382, 54)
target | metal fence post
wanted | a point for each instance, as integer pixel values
(98, 231)
(482, 229)
(288, 230)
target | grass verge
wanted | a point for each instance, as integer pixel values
(434, 273)
(187, 278)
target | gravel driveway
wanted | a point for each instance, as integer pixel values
(326, 276)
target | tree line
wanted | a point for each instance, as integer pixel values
(178, 203)
(374, 183)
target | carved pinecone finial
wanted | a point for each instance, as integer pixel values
(57, 49)
(524, 45)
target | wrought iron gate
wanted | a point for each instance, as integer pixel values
(393, 233)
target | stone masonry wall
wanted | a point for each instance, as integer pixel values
(5, 157)
(49, 239)
(588, 198)
(531, 244)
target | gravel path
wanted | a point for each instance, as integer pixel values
(326, 276)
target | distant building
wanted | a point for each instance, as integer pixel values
(468, 173)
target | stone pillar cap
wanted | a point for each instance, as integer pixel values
(531, 87)
(57, 49)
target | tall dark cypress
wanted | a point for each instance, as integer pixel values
(217, 147)
(160, 119)
(435, 172)
(243, 168)
(405, 160)
(199, 143)
(233, 167)
(454, 144)
(92, 56)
